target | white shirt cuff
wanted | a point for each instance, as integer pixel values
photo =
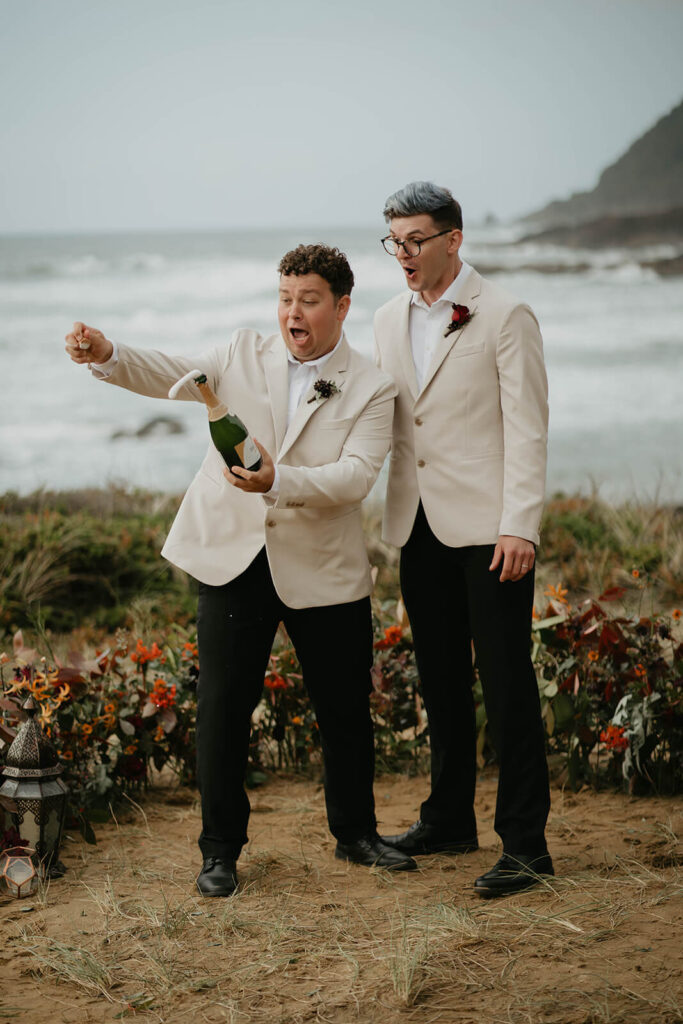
(104, 370)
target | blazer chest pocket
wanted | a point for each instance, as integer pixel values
(343, 424)
(457, 352)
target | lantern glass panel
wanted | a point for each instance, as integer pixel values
(17, 871)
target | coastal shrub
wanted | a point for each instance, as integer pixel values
(79, 559)
(85, 564)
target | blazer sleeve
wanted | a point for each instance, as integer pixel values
(351, 478)
(524, 405)
(151, 373)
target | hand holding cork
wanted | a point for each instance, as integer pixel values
(87, 345)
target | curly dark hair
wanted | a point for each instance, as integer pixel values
(331, 264)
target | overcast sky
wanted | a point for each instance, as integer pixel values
(137, 114)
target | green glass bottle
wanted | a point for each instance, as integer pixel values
(228, 432)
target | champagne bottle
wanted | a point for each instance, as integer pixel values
(228, 432)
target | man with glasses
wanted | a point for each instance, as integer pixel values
(464, 502)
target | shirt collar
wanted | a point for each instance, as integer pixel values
(451, 293)
(316, 364)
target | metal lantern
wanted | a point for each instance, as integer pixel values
(18, 873)
(33, 793)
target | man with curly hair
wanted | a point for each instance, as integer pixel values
(283, 543)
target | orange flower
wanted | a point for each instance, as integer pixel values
(17, 686)
(392, 636)
(296, 720)
(130, 749)
(593, 655)
(142, 654)
(535, 614)
(63, 692)
(558, 593)
(635, 573)
(67, 755)
(613, 737)
(86, 728)
(640, 670)
(190, 650)
(109, 721)
(110, 708)
(162, 694)
(159, 734)
(676, 614)
(45, 714)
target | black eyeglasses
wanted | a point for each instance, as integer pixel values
(412, 246)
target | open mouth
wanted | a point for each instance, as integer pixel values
(410, 272)
(298, 334)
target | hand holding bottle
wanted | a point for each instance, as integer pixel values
(87, 345)
(256, 482)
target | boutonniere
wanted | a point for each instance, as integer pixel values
(459, 317)
(324, 389)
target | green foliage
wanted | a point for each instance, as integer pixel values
(592, 545)
(78, 564)
(79, 559)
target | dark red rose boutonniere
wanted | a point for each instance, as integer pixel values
(324, 389)
(459, 317)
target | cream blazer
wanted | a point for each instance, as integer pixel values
(329, 459)
(471, 444)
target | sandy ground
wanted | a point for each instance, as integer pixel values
(309, 938)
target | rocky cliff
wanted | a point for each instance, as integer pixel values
(647, 179)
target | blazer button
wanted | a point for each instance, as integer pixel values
(421, 463)
(418, 421)
(271, 522)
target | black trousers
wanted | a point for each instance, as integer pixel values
(236, 625)
(452, 599)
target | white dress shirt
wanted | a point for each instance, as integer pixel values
(302, 376)
(428, 324)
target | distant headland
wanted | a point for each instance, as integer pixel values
(637, 202)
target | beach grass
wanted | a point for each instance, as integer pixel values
(89, 559)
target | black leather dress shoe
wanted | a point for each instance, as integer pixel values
(422, 838)
(371, 851)
(218, 877)
(513, 874)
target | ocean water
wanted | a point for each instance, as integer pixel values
(613, 338)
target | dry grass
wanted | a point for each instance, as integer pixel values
(308, 938)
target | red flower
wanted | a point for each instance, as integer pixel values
(275, 682)
(613, 737)
(459, 317)
(162, 694)
(10, 837)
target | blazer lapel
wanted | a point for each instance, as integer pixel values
(468, 298)
(336, 370)
(404, 347)
(277, 382)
